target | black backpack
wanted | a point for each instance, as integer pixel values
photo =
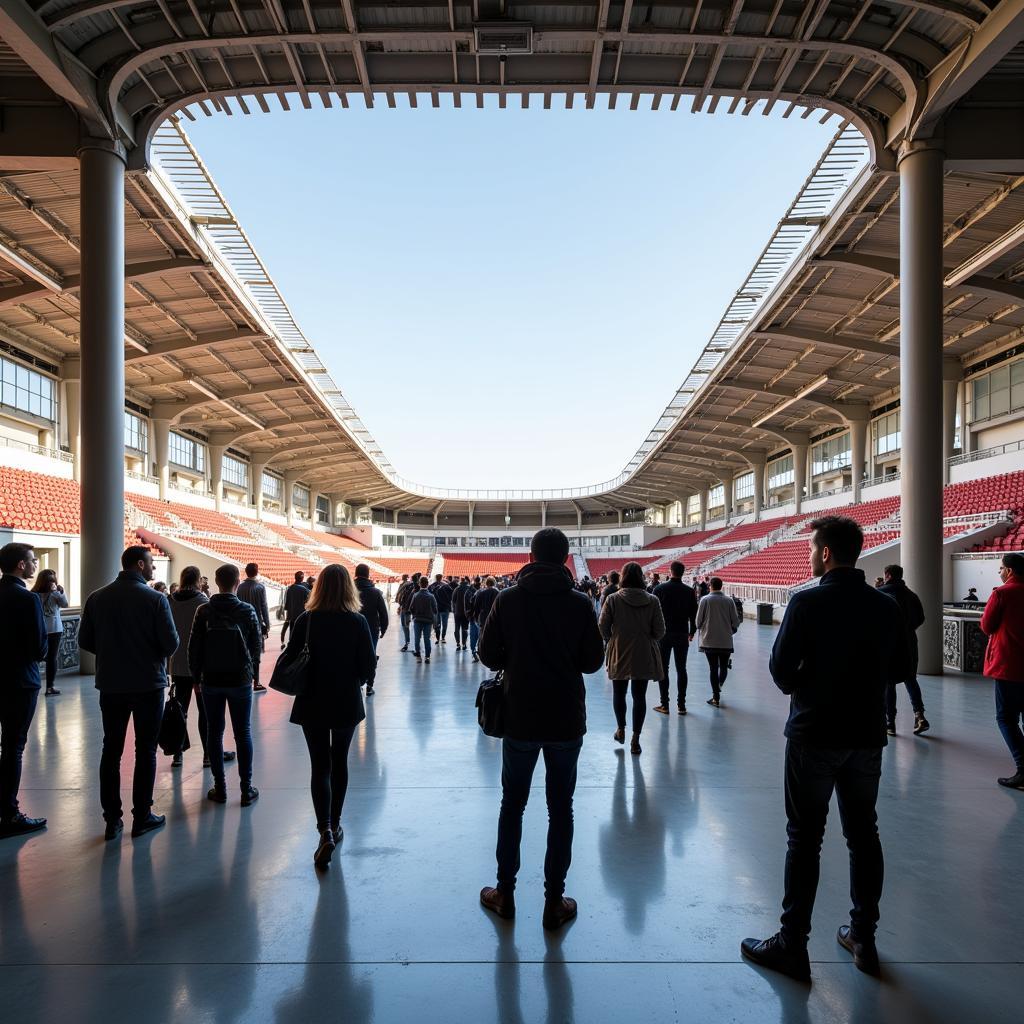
(226, 659)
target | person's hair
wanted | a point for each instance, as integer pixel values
(1014, 562)
(362, 571)
(677, 569)
(439, 576)
(160, 587)
(894, 571)
(613, 578)
(423, 583)
(132, 556)
(190, 577)
(12, 554)
(174, 587)
(550, 545)
(252, 570)
(405, 576)
(632, 575)
(300, 576)
(489, 582)
(226, 576)
(716, 582)
(476, 580)
(43, 581)
(333, 591)
(841, 535)
(972, 590)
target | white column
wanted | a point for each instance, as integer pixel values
(161, 454)
(73, 421)
(952, 371)
(704, 507)
(256, 470)
(799, 476)
(215, 453)
(858, 446)
(290, 480)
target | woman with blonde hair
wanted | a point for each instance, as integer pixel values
(331, 706)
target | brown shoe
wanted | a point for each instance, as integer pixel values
(558, 912)
(619, 736)
(501, 903)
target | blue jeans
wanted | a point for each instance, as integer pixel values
(422, 629)
(518, 760)
(237, 700)
(474, 635)
(403, 617)
(1009, 710)
(441, 626)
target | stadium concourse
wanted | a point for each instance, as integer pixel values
(156, 390)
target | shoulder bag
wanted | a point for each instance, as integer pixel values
(291, 672)
(173, 738)
(490, 706)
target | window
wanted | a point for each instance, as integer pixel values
(716, 497)
(744, 486)
(272, 487)
(323, 509)
(692, 505)
(28, 391)
(780, 472)
(300, 496)
(394, 540)
(886, 433)
(184, 451)
(235, 471)
(620, 540)
(136, 432)
(831, 454)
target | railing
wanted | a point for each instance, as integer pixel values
(830, 492)
(757, 592)
(886, 478)
(145, 478)
(37, 449)
(986, 453)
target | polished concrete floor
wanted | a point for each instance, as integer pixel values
(678, 855)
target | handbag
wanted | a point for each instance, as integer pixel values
(490, 705)
(291, 673)
(173, 738)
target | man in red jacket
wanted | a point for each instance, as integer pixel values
(1003, 624)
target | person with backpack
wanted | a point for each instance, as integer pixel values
(223, 648)
(443, 596)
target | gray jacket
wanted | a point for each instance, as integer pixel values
(184, 605)
(52, 604)
(717, 620)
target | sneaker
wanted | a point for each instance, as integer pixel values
(176, 760)
(1015, 781)
(682, 709)
(404, 648)
(325, 850)
(148, 824)
(426, 660)
(558, 912)
(475, 658)
(865, 954)
(258, 688)
(418, 658)
(250, 794)
(501, 903)
(369, 691)
(634, 745)
(113, 829)
(218, 794)
(661, 709)
(51, 692)
(230, 755)
(890, 727)
(773, 954)
(20, 825)
(921, 724)
(442, 641)
(714, 702)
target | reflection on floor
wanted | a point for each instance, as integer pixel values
(221, 917)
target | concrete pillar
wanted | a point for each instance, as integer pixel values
(471, 507)
(799, 476)
(101, 298)
(727, 487)
(921, 392)
(966, 437)
(290, 480)
(73, 420)
(757, 464)
(619, 512)
(161, 455)
(256, 470)
(215, 454)
(394, 518)
(952, 372)
(858, 447)
(544, 515)
(704, 507)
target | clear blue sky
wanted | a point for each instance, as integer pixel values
(508, 298)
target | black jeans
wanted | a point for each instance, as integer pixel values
(638, 687)
(184, 686)
(718, 664)
(328, 771)
(1009, 711)
(518, 760)
(145, 710)
(17, 706)
(461, 630)
(812, 773)
(678, 644)
(237, 700)
(52, 650)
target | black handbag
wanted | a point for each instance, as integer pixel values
(490, 706)
(291, 672)
(173, 738)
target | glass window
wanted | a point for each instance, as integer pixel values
(780, 472)
(300, 496)
(999, 388)
(831, 454)
(186, 452)
(744, 486)
(886, 433)
(272, 487)
(28, 391)
(136, 432)
(323, 509)
(235, 471)
(716, 497)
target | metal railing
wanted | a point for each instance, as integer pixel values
(144, 477)
(37, 449)
(886, 478)
(757, 592)
(986, 453)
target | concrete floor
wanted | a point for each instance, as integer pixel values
(678, 855)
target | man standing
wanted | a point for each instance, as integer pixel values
(23, 642)
(839, 644)
(423, 610)
(1003, 623)
(679, 607)
(374, 609)
(474, 624)
(253, 593)
(443, 596)
(913, 615)
(403, 598)
(295, 598)
(542, 633)
(460, 598)
(128, 626)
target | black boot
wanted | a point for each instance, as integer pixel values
(776, 956)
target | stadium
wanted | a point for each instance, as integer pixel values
(157, 391)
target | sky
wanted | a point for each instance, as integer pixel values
(508, 298)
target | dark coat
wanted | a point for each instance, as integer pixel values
(226, 606)
(22, 635)
(442, 595)
(480, 605)
(543, 634)
(678, 605)
(128, 626)
(341, 658)
(184, 605)
(910, 605)
(839, 644)
(632, 623)
(423, 607)
(459, 599)
(254, 593)
(374, 607)
(295, 598)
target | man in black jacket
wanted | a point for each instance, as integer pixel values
(460, 597)
(479, 607)
(679, 607)
(374, 609)
(443, 596)
(129, 627)
(913, 614)
(253, 593)
(839, 645)
(295, 598)
(23, 643)
(223, 647)
(542, 633)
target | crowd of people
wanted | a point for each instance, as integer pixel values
(543, 632)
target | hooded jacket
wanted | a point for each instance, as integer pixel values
(632, 623)
(543, 635)
(910, 604)
(479, 607)
(373, 606)
(1003, 623)
(184, 605)
(717, 620)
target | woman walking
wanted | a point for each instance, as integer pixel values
(331, 706)
(631, 623)
(52, 597)
(717, 621)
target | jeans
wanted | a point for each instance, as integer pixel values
(403, 617)
(678, 644)
(17, 706)
(811, 775)
(639, 690)
(183, 689)
(52, 650)
(913, 691)
(145, 709)
(284, 630)
(1009, 709)
(236, 700)
(518, 759)
(441, 626)
(422, 631)
(474, 635)
(328, 771)
(718, 664)
(461, 630)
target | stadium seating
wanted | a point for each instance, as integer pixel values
(292, 536)
(33, 501)
(682, 540)
(990, 494)
(499, 563)
(318, 539)
(754, 531)
(397, 565)
(200, 520)
(275, 564)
